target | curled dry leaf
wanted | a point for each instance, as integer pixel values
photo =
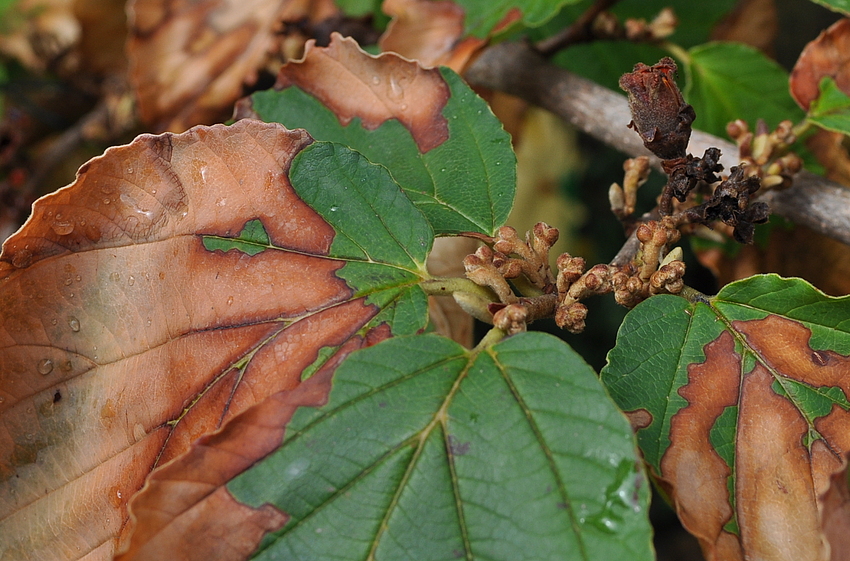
(126, 333)
(429, 32)
(828, 55)
(190, 60)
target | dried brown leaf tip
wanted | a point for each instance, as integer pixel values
(660, 114)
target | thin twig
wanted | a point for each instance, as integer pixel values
(580, 31)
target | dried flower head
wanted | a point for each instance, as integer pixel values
(659, 112)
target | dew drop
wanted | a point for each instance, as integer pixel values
(74, 324)
(153, 191)
(68, 281)
(334, 208)
(376, 80)
(131, 280)
(62, 227)
(45, 366)
(2, 399)
(396, 92)
(403, 107)
(22, 258)
(443, 170)
(54, 321)
(115, 277)
(130, 170)
(229, 300)
(66, 366)
(498, 163)
(107, 189)
(106, 201)
(78, 278)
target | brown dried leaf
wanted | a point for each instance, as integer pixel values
(184, 506)
(377, 88)
(430, 32)
(123, 339)
(828, 55)
(835, 514)
(774, 501)
(190, 60)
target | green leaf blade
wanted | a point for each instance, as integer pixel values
(465, 184)
(381, 235)
(484, 461)
(728, 81)
(840, 6)
(831, 110)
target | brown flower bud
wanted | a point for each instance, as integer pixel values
(659, 113)
(571, 317)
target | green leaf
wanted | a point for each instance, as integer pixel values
(357, 8)
(728, 81)
(605, 61)
(724, 389)
(253, 239)
(380, 235)
(831, 110)
(483, 15)
(428, 451)
(465, 184)
(840, 6)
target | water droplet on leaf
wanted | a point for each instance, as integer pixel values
(62, 227)
(131, 280)
(45, 366)
(22, 258)
(74, 324)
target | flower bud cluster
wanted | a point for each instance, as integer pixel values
(766, 154)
